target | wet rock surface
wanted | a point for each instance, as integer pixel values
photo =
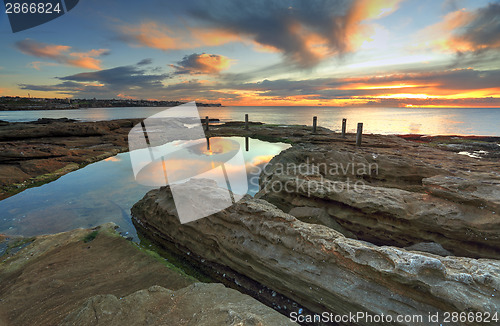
(474, 146)
(319, 267)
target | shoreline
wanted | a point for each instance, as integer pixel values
(90, 142)
(16, 103)
(35, 153)
(412, 171)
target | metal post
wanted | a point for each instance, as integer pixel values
(315, 122)
(206, 123)
(344, 125)
(359, 134)
(246, 121)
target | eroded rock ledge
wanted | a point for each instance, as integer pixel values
(318, 266)
(391, 199)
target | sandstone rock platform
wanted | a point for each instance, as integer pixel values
(318, 266)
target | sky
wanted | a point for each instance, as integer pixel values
(346, 53)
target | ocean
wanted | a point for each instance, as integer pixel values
(427, 121)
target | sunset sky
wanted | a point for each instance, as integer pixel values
(387, 53)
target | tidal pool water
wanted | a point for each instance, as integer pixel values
(105, 191)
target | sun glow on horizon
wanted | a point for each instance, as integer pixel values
(360, 53)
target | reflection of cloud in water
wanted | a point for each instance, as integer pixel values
(181, 170)
(193, 159)
(261, 159)
(217, 146)
(105, 191)
(113, 159)
(156, 173)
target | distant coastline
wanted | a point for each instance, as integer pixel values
(16, 103)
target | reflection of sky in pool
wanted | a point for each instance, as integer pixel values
(103, 192)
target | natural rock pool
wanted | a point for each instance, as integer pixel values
(104, 192)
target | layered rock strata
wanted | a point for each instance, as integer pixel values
(388, 200)
(318, 266)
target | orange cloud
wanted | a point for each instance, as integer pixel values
(213, 36)
(159, 36)
(202, 64)
(372, 9)
(440, 35)
(60, 54)
(362, 32)
(153, 35)
(299, 38)
(87, 59)
(452, 88)
(127, 97)
(212, 63)
(464, 31)
(42, 50)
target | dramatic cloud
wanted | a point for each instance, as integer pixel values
(409, 88)
(304, 31)
(483, 31)
(201, 64)
(121, 77)
(456, 87)
(107, 83)
(465, 31)
(61, 54)
(42, 50)
(153, 35)
(159, 36)
(133, 82)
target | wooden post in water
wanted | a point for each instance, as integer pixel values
(359, 134)
(344, 125)
(315, 123)
(246, 121)
(207, 122)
